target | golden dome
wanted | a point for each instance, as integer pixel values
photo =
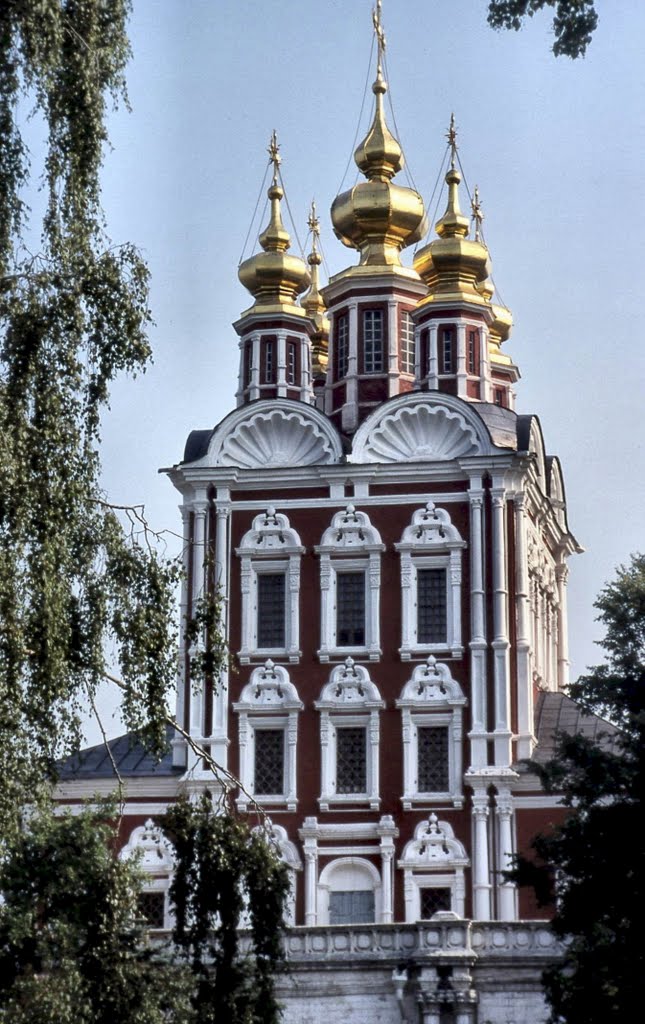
(452, 265)
(375, 216)
(273, 278)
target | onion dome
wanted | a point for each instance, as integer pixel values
(375, 216)
(452, 265)
(274, 278)
(314, 304)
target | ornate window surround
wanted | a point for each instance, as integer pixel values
(155, 860)
(350, 544)
(433, 859)
(350, 698)
(431, 697)
(288, 854)
(270, 546)
(269, 700)
(430, 542)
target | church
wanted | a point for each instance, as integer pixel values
(388, 541)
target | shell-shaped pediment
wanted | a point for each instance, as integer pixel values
(421, 428)
(273, 434)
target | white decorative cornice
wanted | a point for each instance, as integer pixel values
(434, 844)
(349, 686)
(432, 685)
(269, 688)
(350, 530)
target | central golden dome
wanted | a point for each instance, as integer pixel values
(375, 216)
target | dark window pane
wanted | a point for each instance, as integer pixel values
(271, 608)
(407, 343)
(151, 908)
(351, 760)
(269, 762)
(350, 609)
(432, 753)
(291, 363)
(351, 907)
(432, 626)
(446, 365)
(373, 341)
(433, 900)
(342, 345)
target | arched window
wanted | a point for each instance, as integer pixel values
(155, 859)
(268, 731)
(431, 555)
(433, 866)
(350, 579)
(349, 892)
(349, 708)
(270, 555)
(431, 705)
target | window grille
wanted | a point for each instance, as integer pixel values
(499, 396)
(271, 609)
(351, 760)
(291, 363)
(248, 351)
(373, 341)
(351, 907)
(433, 774)
(350, 609)
(432, 620)
(432, 900)
(446, 363)
(407, 343)
(152, 907)
(268, 777)
(342, 345)
(472, 352)
(268, 362)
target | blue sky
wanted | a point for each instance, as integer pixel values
(556, 147)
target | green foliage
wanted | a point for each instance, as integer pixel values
(72, 950)
(592, 864)
(223, 871)
(574, 21)
(73, 582)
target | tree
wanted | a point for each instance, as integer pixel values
(591, 866)
(574, 21)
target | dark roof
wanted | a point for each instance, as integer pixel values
(130, 757)
(555, 712)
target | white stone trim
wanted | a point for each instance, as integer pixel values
(433, 859)
(287, 851)
(350, 544)
(350, 698)
(270, 701)
(430, 542)
(154, 858)
(270, 546)
(431, 698)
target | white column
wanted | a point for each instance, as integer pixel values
(311, 878)
(387, 881)
(392, 349)
(484, 365)
(281, 377)
(254, 389)
(183, 683)
(196, 727)
(219, 728)
(305, 383)
(562, 576)
(523, 641)
(433, 365)
(477, 735)
(481, 868)
(349, 415)
(462, 389)
(373, 755)
(507, 894)
(502, 734)
(374, 583)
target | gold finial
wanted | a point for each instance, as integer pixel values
(380, 37)
(313, 223)
(478, 214)
(451, 135)
(313, 300)
(275, 238)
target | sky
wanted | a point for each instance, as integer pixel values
(557, 148)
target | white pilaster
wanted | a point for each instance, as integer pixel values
(462, 389)
(254, 388)
(393, 371)
(523, 642)
(502, 732)
(506, 892)
(388, 832)
(433, 364)
(183, 684)
(281, 376)
(562, 576)
(349, 416)
(477, 735)
(219, 728)
(481, 868)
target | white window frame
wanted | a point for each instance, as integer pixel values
(361, 866)
(430, 542)
(342, 342)
(407, 343)
(373, 341)
(350, 544)
(431, 698)
(349, 699)
(155, 859)
(268, 701)
(434, 859)
(270, 546)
